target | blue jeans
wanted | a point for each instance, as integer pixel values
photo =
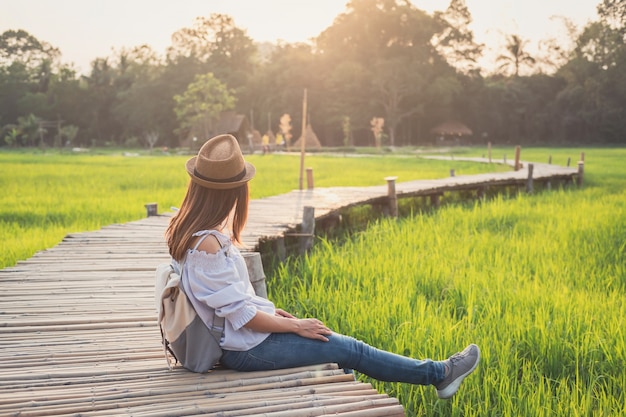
(288, 350)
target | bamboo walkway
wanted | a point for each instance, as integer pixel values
(273, 217)
(78, 332)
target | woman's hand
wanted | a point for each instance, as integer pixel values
(282, 313)
(283, 322)
(313, 329)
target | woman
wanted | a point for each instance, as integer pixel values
(257, 335)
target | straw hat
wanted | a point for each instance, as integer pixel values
(220, 165)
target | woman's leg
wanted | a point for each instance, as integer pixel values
(288, 350)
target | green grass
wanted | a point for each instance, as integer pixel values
(45, 196)
(538, 281)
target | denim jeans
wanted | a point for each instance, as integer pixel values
(288, 350)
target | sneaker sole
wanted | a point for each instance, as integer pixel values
(451, 389)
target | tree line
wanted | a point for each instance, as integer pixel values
(380, 60)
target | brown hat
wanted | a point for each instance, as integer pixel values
(220, 164)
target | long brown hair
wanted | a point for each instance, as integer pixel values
(206, 209)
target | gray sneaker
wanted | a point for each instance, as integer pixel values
(459, 365)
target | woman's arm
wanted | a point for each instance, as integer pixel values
(309, 328)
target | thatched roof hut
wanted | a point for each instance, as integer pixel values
(451, 128)
(311, 142)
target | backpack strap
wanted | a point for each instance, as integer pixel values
(217, 327)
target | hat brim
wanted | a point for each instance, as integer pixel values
(191, 166)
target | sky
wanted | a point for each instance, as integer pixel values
(87, 29)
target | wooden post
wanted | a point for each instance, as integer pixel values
(280, 250)
(581, 172)
(151, 209)
(517, 156)
(308, 229)
(391, 196)
(569, 160)
(480, 192)
(550, 160)
(489, 150)
(529, 180)
(582, 157)
(309, 178)
(256, 273)
(303, 143)
(435, 200)
(452, 172)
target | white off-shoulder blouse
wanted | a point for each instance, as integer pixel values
(218, 283)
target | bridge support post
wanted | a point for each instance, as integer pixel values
(480, 192)
(529, 180)
(308, 229)
(435, 200)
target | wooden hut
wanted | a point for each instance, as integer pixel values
(311, 142)
(450, 133)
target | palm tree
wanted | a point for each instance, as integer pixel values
(517, 56)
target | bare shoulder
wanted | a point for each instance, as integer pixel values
(210, 244)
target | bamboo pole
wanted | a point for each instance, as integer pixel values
(303, 142)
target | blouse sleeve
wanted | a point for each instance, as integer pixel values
(216, 282)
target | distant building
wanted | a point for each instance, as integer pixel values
(450, 133)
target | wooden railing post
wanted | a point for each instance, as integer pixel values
(581, 172)
(489, 150)
(391, 196)
(256, 273)
(151, 209)
(309, 178)
(517, 157)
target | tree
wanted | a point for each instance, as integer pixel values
(27, 66)
(277, 86)
(29, 129)
(285, 128)
(517, 56)
(19, 46)
(389, 43)
(199, 107)
(456, 41)
(11, 135)
(215, 44)
(69, 133)
(102, 98)
(592, 106)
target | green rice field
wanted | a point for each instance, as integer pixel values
(45, 196)
(537, 281)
